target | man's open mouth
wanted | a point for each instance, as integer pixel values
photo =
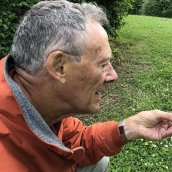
(98, 93)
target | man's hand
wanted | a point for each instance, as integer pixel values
(150, 125)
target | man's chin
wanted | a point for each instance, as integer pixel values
(94, 109)
(91, 109)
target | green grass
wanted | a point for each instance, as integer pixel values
(145, 82)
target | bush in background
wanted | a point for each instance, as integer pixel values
(136, 7)
(159, 8)
(11, 11)
(116, 10)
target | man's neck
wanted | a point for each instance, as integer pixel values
(40, 93)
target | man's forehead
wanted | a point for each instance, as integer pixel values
(97, 37)
(94, 28)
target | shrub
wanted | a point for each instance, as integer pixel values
(10, 13)
(136, 7)
(159, 8)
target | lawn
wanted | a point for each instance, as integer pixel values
(143, 61)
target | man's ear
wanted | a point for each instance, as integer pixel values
(55, 64)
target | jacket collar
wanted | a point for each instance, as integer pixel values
(32, 117)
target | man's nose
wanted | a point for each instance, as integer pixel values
(111, 74)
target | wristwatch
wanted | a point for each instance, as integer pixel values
(122, 131)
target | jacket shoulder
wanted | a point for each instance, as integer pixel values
(2, 61)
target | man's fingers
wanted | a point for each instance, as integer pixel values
(167, 133)
(167, 116)
(164, 115)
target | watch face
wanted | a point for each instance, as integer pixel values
(122, 132)
(121, 129)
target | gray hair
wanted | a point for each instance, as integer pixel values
(53, 25)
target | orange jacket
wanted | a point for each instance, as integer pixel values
(27, 144)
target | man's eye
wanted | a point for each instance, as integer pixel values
(104, 65)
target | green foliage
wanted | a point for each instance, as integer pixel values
(136, 7)
(160, 8)
(10, 13)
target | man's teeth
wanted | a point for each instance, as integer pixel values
(98, 93)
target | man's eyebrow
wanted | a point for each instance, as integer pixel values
(105, 59)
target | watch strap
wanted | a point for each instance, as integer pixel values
(122, 131)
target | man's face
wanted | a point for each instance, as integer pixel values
(85, 79)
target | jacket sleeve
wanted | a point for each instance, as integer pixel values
(98, 140)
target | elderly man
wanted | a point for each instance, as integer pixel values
(57, 67)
